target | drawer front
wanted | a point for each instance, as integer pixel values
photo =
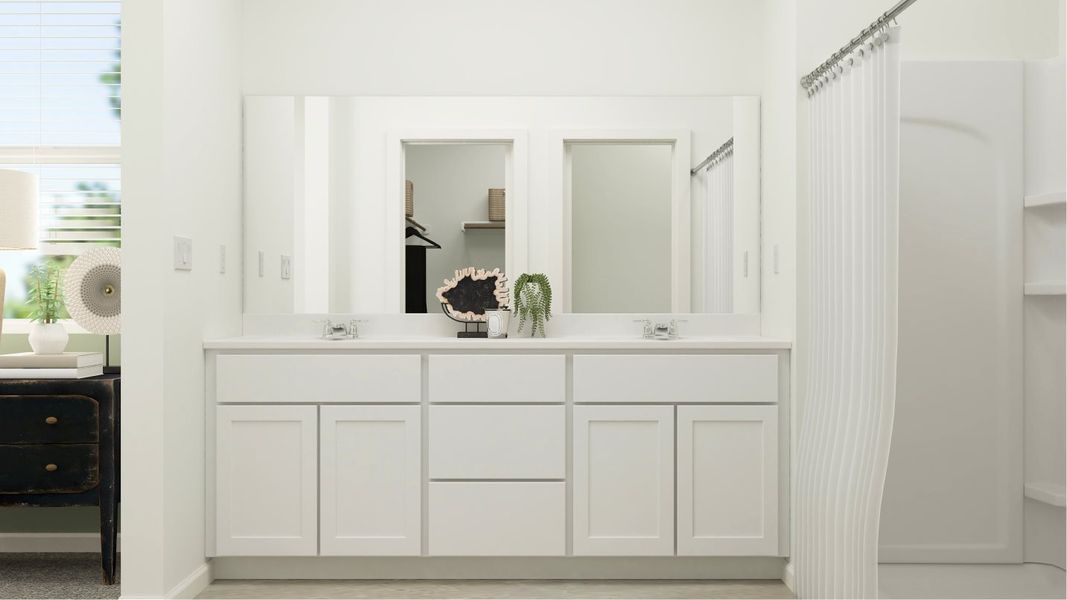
(672, 378)
(513, 378)
(497, 519)
(497, 442)
(321, 378)
(48, 419)
(49, 469)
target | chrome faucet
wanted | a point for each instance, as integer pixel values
(659, 331)
(340, 331)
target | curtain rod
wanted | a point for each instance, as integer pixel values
(724, 149)
(808, 80)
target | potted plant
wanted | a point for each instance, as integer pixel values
(47, 335)
(533, 302)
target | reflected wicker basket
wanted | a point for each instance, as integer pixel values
(496, 204)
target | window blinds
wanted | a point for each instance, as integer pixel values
(60, 112)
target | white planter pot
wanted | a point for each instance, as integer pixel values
(48, 338)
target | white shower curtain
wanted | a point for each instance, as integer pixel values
(846, 414)
(719, 235)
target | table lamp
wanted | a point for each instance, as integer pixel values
(18, 218)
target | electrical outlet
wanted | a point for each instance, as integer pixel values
(261, 257)
(287, 267)
(222, 259)
(183, 254)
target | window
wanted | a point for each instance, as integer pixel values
(59, 117)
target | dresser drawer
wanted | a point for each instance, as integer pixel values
(676, 379)
(497, 442)
(318, 378)
(48, 469)
(515, 378)
(497, 519)
(48, 419)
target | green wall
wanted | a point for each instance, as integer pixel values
(54, 520)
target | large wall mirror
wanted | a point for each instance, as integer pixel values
(366, 204)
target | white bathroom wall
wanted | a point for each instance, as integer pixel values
(181, 176)
(492, 48)
(451, 186)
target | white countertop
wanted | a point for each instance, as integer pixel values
(275, 342)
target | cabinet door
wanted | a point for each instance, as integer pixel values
(265, 480)
(728, 480)
(623, 480)
(370, 480)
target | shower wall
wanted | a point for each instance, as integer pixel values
(953, 491)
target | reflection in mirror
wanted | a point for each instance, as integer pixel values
(448, 224)
(621, 224)
(600, 199)
(649, 234)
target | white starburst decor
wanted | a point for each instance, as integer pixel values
(92, 290)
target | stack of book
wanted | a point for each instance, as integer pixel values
(69, 365)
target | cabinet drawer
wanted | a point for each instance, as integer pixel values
(298, 378)
(497, 442)
(48, 419)
(497, 519)
(497, 378)
(672, 378)
(49, 469)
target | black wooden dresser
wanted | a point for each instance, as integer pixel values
(59, 446)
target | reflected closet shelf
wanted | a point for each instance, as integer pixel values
(476, 225)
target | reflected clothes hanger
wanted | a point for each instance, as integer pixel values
(411, 231)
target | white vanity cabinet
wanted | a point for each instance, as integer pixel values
(724, 486)
(624, 480)
(472, 450)
(266, 475)
(727, 480)
(370, 480)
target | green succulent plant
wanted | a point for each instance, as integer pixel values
(533, 301)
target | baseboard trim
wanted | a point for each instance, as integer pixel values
(193, 584)
(787, 576)
(945, 554)
(50, 542)
(440, 567)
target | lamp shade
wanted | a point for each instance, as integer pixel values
(18, 210)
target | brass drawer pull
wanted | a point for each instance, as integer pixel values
(50, 467)
(51, 420)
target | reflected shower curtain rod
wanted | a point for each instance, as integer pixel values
(808, 80)
(723, 150)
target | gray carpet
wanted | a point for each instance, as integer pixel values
(53, 575)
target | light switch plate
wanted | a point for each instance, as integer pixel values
(183, 253)
(287, 267)
(222, 259)
(261, 263)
